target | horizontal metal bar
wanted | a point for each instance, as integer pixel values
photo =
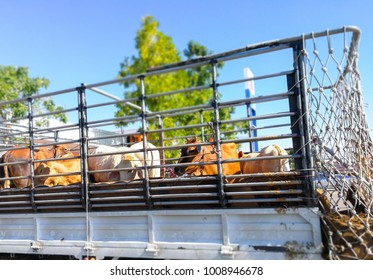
(57, 175)
(264, 200)
(130, 197)
(115, 191)
(261, 175)
(55, 202)
(256, 48)
(257, 78)
(119, 205)
(156, 95)
(113, 121)
(269, 183)
(47, 129)
(38, 96)
(185, 195)
(186, 187)
(55, 112)
(5, 135)
(259, 193)
(186, 202)
(59, 194)
(14, 203)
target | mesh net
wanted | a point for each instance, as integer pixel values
(341, 145)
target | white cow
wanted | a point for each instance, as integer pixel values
(116, 161)
(153, 158)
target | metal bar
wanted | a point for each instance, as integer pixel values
(216, 127)
(257, 99)
(47, 129)
(15, 178)
(31, 144)
(14, 134)
(198, 88)
(38, 96)
(57, 175)
(305, 138)
(117, 120)
(57, 143)
(115, 98)
(269, 45)
(262, 77)
(55, 113)
(83, 135)
(144, 130)
(161, 143)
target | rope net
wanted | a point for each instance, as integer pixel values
(340, 144)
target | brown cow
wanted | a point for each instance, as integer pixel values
(23, 169)
(59, 167)
(265, 165)
(207, 153)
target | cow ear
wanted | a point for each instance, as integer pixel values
(211, 140)
(240, 154)
(191, 140)
(54, 147)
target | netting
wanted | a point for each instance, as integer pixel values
(341, 145)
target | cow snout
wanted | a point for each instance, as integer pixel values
(179, 170)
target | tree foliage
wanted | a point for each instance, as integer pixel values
(154, 48)
(15, 83)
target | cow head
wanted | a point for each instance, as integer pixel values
(131, 162)
(61, 150)
(42, 169)
(188, 154)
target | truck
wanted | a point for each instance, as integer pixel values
(301, 86)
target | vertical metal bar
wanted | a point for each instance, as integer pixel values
(161, 144)
(31, 147)
(83, 135)
(250, 129)
(295, 105)
(202, 128)
(216, 126)
(123, 140)
(145, 143)
(304, 145)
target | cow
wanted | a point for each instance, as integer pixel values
(124, 158)
(23, 169)
(65, 164)
(131, 163)
(205, 154)
(153, 158)
(265, 165)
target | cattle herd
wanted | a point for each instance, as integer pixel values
(60, 165)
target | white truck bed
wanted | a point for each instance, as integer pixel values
(177, 234)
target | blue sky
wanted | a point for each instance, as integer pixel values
(75, 41)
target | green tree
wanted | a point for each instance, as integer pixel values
(15, 83)
(157, 49)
